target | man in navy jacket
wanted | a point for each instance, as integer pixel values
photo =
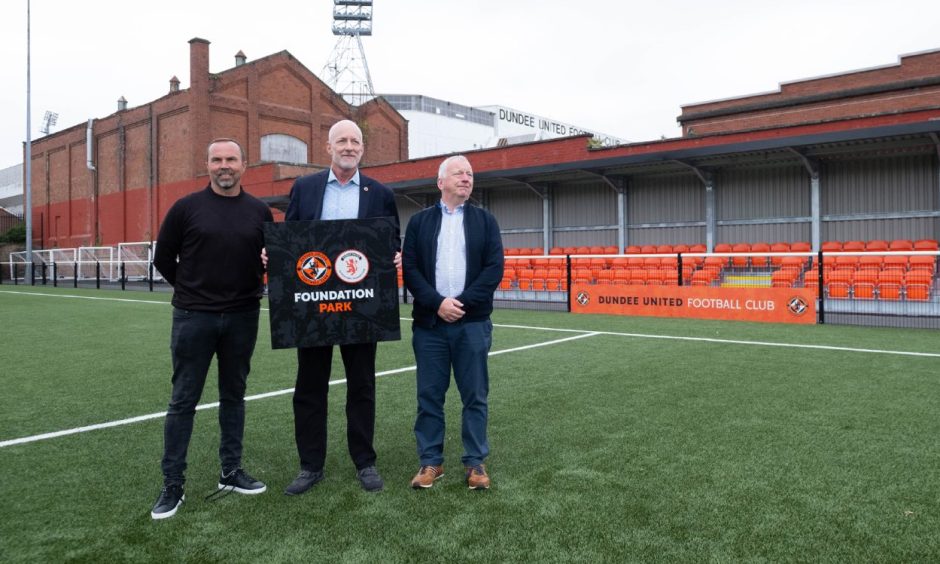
(338, 193)
(452, 263)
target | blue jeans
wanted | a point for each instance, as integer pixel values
(463, 346)
(195, 338)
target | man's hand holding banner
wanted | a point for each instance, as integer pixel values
(332, 282)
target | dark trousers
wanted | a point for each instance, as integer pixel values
(463, 346)
(310, 405)
(195, 338)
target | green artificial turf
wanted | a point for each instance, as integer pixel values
(645, 440)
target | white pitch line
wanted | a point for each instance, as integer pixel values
(727, 341)
(581, 331)
(213, 405)
(770, 344)
(83, 297)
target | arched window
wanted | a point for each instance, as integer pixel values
(283, 148)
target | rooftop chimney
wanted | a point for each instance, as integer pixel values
(122, 104)
(240, 58)
(174, 84)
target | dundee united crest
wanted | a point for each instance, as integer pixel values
(797, 305)
(314, 268)
(583, 298)
(352, 266)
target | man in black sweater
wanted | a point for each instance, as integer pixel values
(216, 235)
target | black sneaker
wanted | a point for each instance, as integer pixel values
(241, 482)
(303, 482)
(370, 479)
(171, 497)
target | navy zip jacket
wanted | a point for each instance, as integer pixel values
(484, 264)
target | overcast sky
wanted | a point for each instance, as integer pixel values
(619, 67)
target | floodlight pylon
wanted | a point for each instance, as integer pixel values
(347, 71)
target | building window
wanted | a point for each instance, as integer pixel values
(283, 148)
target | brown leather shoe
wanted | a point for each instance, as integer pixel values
(477, 478)
(426, 476)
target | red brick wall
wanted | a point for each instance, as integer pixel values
(911, 84)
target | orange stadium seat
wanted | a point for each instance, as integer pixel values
(715, 264)
(870, 262)
(740, 261)
(839, 290)
(671, 277)
(759, 261)
(926, 245)
(901, 245)
(876, 245)
(582, 276)
(853, 246)
(918, 292)
(792, 263)
(782, 279)
(620, 263)
(778, 248)
(922, 262)
(847, 261)
(654, 277)
(832, 246)
(702, 278)
(895, 262)
(863, 290)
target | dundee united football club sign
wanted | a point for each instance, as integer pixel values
(777, 305)
(332, 282)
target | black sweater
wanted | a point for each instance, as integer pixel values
(218, 242)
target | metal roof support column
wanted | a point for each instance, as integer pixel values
(812, 167)
(708, 180)
(815, 211)
(936, 222)
(547, 227)
(619, 185)
(710, 222)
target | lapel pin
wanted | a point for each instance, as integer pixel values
(365, 189)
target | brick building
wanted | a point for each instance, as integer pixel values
(848, 156)
(913, 83)
(144, 158)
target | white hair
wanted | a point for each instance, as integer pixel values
(442, 170)
(341, 122)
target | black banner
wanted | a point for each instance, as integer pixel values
(332, 282)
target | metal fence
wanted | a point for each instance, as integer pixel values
(885, 288)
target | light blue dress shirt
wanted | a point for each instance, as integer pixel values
(450, 268)
(341, 201)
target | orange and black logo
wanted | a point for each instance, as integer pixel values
(314, 268)
(583, 298)
(797, 305)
